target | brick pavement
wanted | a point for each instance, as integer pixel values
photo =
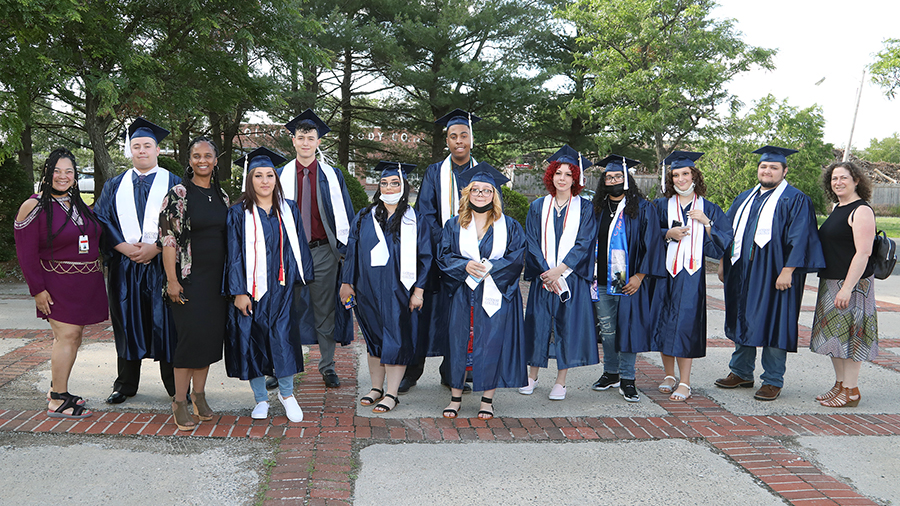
(315, 463)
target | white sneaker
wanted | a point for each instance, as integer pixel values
(529, 389)
(291, 408)
(261, 411)
(558, 393)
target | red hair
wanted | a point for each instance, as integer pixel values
(551, 171)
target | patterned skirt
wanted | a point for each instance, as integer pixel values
(846, 333)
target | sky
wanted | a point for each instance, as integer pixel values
(820, 39)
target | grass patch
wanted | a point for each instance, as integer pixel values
(890, 224)
(268, 465)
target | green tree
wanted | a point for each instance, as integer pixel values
(659, 68)
(15, 187)
(886, 68)
(884, 150)
(729, 166)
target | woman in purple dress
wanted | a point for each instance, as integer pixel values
(57, 239)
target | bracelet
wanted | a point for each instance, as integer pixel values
(420, 298)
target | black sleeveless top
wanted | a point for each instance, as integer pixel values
(837, 243)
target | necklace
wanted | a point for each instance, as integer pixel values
(612, 211)
(203, 192)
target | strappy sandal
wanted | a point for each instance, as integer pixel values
(81, 401)
(831, 394)
(667, 389)
(201, 408)
(485, 400)
(679, 397)
(384, 408)
(843, 399)
(183, 419)
(368, 400)
(69, 401)
(450, 412)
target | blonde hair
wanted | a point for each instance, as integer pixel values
(465, 214)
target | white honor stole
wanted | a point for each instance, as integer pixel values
(566, 241)
(289, 187)
(491, 299)
(256, 270)
(408, 248)
(686, 253)
(449, 193)
(132, 230)
(763, 225)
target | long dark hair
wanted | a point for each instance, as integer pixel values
(381, 213)
(249, 196)
(45, 201)
(633, 197)
(189, 171)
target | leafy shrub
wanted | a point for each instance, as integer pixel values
(14, 189)
(515, 205)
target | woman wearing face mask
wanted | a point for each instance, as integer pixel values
(265, 260)
(57, 240)
(481, 257)
(694, 228)
(629, 250)
(384, 273)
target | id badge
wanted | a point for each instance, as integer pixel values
(83, 245)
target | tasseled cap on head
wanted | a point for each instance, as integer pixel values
(309, 115)
(774, 154)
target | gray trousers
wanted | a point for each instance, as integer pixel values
(323, 294)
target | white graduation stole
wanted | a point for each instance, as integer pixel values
(566, 241)
(256, 270)
(289, 187)
(449, 190)
(687, 253)
(132, 230)
(491, 299)
(763, 225)
(408, 247)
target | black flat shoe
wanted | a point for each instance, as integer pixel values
(405, 385)
(117, 398)
(331, 379)
(271, 383)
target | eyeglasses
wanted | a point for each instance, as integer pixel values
(486, 192)
(615, 178)
(390, 184)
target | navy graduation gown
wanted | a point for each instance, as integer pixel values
(680, 301)
(382, 302)
(499, 352)
(635, 319)
(142, 322)
(756, 314)
(262, 343)
(343, 321)
(572, 323)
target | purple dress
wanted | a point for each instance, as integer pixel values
(74, 280)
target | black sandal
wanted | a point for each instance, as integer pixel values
(384, 408)
(368, 401)
(69, 401)
(490, 401)
(450, 412)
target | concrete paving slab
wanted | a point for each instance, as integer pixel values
(95, 371)
(428, 398)
(9, 344)
(20, 314)
(68, 469)
(867, 463)
(614, 473)
(808, 374)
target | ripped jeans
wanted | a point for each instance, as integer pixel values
(614, 362)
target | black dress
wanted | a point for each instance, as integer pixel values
(200, 321)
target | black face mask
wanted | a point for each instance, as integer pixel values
(616, 190)
(483, 209)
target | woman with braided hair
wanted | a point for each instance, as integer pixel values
(57, 243)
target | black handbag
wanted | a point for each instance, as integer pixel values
(884, 252)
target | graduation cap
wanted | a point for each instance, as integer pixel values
(618, 163)
(680, 159)
(774, 154)
(143, 128)
(259, 157)
(483, 173)
(459, 117)
(567, 154)
(394, 169)
(309, 115)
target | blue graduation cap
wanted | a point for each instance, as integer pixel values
(394, 168)
(457, 117)
(679, 159)
(308, 115)
(483, 173)
(618, 163)
(774, 154)
(259, 157)
(143, 128)
(567, 154)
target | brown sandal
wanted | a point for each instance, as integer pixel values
(831, 394)
(843, 399)
(182, 418)
(201, 408)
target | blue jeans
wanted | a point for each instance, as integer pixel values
(743, 361)
(613, 362)
(258, 385)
